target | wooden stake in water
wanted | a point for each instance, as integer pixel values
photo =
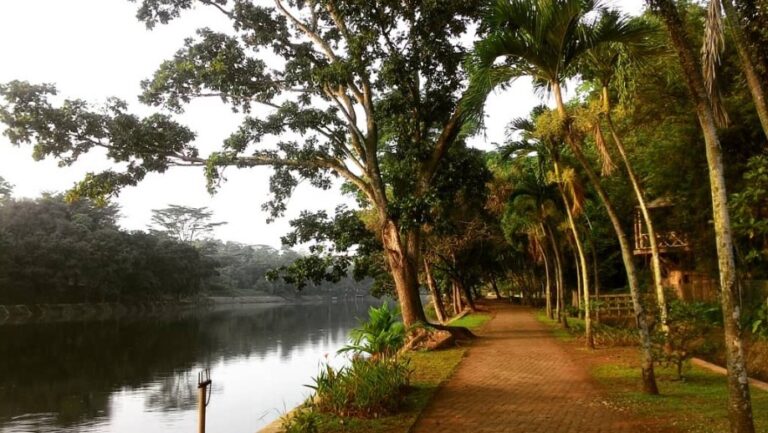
(203, 397)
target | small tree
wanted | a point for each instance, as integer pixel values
(185, 224)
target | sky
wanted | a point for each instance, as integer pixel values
(95, 49)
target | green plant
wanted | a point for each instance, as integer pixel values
(381, 336)
(759, 322)
(689, 323)
(367, 388)
(302, 420)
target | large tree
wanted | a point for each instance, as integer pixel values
(349, 86)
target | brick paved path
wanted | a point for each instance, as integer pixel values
(518, 378)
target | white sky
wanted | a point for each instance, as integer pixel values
(93, 49)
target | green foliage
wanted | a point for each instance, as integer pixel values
(381, 336)
(368, 388)
(6, 189)
(749, 210)
(55, 251)
(302, 420)
(689, 325)
(759, 321)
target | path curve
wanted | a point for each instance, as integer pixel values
(518, 379)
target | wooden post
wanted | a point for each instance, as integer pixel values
(203, 397)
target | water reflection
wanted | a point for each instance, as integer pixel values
(140, 374)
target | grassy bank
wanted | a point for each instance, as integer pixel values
(429, 371)
(472, 321)
(697, 404)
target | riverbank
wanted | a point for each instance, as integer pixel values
(430, 371)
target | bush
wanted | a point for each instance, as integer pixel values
(303, 420)
(609, 336)
(689, 324)
(759, 321)
(381, 336)
(367, 388)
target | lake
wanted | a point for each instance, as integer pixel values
(140, 374)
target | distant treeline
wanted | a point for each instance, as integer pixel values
(52, 251)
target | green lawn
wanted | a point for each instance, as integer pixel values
(697, 405)
(472, 321)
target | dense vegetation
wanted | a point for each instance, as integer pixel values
(54, 251)
(384, 95)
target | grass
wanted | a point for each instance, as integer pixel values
(696, 405)
(472, 321)
(430, 369)
(559, 333)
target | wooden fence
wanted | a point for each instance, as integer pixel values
(618, 306)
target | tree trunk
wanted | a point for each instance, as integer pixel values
(661, 298)
(437, 300)
(458, 306)
(405, 274)
(495, 288)
(649, 378)
(748, 66)
(596, 278)
(547, 282)
(467, 294)
(582, 271)
(740, 402)
(559, 282)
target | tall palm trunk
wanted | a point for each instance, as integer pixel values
(596, 282)
(547, 283)
(649, 378)
(661, 298)
(740, 402)
(437, 300)
(748, 66)
(581, 262)
(559, 282)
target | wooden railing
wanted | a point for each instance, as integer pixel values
(615, 306)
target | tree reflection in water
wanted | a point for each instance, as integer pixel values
(65, 376)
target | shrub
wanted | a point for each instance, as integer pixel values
(759, 321)
(381, 336)
(689, 324)
(303, 420)
(367, 388)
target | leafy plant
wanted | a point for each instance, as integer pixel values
(381, 336)
(303, 420)
(759, 323)
(689, 323)
(367, 388)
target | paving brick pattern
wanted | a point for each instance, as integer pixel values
(518, 378)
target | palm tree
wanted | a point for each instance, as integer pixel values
(569, 191)
(713, 45)
(545, 39)
(601, 64)
(740, 403)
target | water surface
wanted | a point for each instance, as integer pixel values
(140, 375)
